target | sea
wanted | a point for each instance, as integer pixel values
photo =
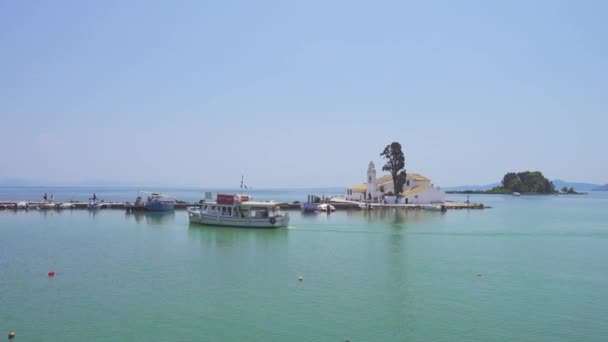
(530, 268)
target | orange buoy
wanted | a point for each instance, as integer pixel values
(51, 274)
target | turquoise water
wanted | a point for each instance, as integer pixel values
(378, 276)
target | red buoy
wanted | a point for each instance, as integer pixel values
(51, 274)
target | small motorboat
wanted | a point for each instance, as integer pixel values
(516, 194)
(48, 205)
(21, 205)
(366, 206)
(310, 207)
(65, 205)
(435, 207)
(94, 205)
(326, 207)
(160, 202)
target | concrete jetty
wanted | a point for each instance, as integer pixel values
(339, 204)
(346, 204)
(38, 205)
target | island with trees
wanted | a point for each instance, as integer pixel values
(527, 182)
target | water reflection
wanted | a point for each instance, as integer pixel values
(152, 218)
(229, 237)
(394, 216)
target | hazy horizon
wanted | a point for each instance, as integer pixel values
(301, 95)
(17, 183)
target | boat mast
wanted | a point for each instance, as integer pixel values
(242, 185)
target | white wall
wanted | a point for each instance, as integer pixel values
(430, 195)
(356, 196)
(388, 188)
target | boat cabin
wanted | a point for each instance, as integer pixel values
(240, 206)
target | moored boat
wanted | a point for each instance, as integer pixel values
(93, 205)
(310, 207)
(435, 207)
(46, 206)
(65, 205)
(326, 207)
(159, 202)
(238, 211)
(22, 205)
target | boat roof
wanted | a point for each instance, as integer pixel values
(248, 204)
(259, 204)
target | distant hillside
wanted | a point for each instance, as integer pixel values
(559, 184)
(601, 188)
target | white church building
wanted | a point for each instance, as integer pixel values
(416, 190)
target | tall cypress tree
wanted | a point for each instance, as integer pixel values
(395, 164)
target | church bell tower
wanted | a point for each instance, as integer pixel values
(372, 186)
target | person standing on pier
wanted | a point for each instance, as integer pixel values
(45, 197)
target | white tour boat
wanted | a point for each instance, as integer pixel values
(238, 211)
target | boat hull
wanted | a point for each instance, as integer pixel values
(310, 208)
(160, 206)
(232, 221)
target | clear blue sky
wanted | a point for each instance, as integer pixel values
(301, 93)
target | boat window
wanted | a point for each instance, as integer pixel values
(259, 212)
(226, 211)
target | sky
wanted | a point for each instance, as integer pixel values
(301, 93)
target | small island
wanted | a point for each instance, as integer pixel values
(527, 182)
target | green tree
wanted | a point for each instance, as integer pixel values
(526, 182)
(509, 179)
(395, 164)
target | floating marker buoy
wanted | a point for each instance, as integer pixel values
(300, 278)
(11, 334)
(479, 274)
(51, 274)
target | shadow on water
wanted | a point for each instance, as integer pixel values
(152, 218)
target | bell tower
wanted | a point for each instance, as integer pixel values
(372, 186)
